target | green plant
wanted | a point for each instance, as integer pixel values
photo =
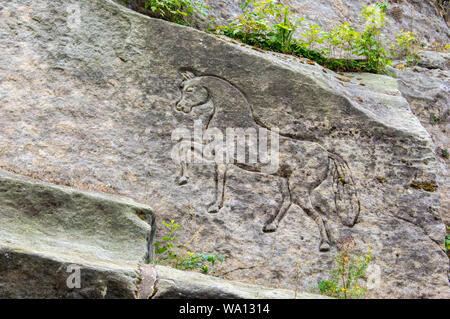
(167, 252)
(175, 10)
(404, 47)
(271, 26)
(266, 24)
(350, 268)
(342, 39)
(370, 44)
(313, 34)
(435, 118)
(445, 154)
(199, 261)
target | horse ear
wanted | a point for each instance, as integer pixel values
(188, 75)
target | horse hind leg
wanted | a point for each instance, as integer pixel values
(305, 203)
(285, 205)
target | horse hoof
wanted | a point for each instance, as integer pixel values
(214, 209)
(224, 210)
(183, 181)
(270, 228)
(324, 246)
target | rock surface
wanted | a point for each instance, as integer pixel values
(89, 91)
(426, 86)
(48, 231)
(177, 284)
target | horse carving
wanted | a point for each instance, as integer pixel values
(303, 165)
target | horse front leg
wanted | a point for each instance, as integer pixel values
(183, 178)
(285, 205)
(221, 172)
(188, 153)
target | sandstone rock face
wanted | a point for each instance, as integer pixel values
(49, 233)
(91, 92)
(177, 284)
(424, 17)
(427, 89)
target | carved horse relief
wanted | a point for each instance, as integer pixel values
(303, 165)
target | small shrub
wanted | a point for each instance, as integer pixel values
(342, 41)
(263, 23)
(404, 46)
(168, 253)
(194, 261)
(445, 153)
(435, 118)
(350, 268)
(313, 35)
(165, 250)
(271, 26)
(177, 11)
(371, 44)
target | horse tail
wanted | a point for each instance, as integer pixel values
(346, 196)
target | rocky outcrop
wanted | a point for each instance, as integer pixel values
(426, 86)
(91, 93)
(176, 284)
(51, 234)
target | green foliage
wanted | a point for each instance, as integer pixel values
(313, 35)
(435, 118)
(270, 26)
(445, 154)
(344, 278)
(263, 23)
(370, 43)
(165, 248)
(168, 253)
(176, 10)
(447, 243)
(199, 261)
(342, 40)
(404, 45)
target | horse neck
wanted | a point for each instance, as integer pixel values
(230, 105)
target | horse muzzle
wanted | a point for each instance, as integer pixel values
(182, 108)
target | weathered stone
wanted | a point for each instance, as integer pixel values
(93, 103)
(428, 92)
(434, 60)
(177, 284)
(47, 229)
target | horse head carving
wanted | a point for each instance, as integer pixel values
(192, 93)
